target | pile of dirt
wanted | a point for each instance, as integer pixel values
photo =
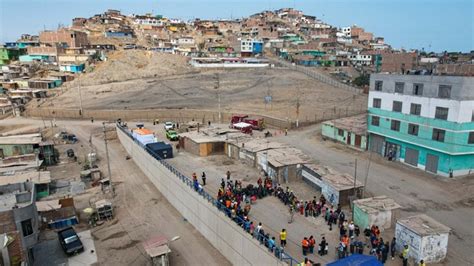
(134, 64)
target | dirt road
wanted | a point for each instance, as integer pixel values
(450, 201)
(141, 210)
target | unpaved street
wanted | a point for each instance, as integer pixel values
(450, 201)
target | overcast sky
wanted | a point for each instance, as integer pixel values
(434, 25)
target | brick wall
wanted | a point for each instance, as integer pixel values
(45, 50)
(15, 250)
(7, 225)
(393, 63)
(455, 69)
(71, 38)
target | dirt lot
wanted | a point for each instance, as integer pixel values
(167, 82)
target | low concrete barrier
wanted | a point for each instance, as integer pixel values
(226, 236)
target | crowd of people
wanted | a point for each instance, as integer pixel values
(235, 200)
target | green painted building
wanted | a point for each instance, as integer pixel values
(28, 145)
(8, 54)
(348, 130)
(424, 121)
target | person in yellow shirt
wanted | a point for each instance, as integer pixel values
(405, 255)
(283, 238)
(422, 263)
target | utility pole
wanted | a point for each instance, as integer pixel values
(108, 159)
(297, 107)
(218, 97)
(355, 176)
(367, 174)
(80, 98)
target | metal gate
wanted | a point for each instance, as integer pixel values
(411, 156)
(376, 143)
(431, 163)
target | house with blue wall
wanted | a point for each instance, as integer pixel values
(424, 121)
(33, 57)
(73, 68)
(249, 47)
(118, 34)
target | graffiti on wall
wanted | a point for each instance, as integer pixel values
(407, 237)
(329, 192)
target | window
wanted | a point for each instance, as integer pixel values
(399, 87)
(470, 139)
(340, 132)
(27, 227)
(418, 89)
(378, 85)
(415, 109)
(375, 121)
(444, 91)
(438, 134)
(377, 103)
(441, 113)
(397, 106)
(395, 125)
(413, 129)
(472, 117)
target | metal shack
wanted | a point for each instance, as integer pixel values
(247, 151)
(161, 149)
(337, 188)
(282, 165)
(426, 238)
(206, 142)
(381, 211)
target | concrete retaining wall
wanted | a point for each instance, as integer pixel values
(231, 240)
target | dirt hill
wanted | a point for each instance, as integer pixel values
(134, 64)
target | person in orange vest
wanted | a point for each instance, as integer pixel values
(305, 246)
(312, 242)
(345, 240)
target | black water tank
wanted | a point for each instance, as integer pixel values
(165, 151)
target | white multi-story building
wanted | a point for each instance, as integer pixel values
(360, 59)
(148, 21)
(347, 31)
(343, 38)
(187, 40)
(251, 46)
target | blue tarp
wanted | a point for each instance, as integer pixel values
(357, 260)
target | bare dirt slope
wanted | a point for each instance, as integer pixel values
(144, 80)
(133, 64)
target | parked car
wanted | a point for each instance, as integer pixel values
(70, 241)
(169, 125)
(70, 138)
(70, 153)
(172, 135)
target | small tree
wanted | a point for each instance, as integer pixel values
(362, 80)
